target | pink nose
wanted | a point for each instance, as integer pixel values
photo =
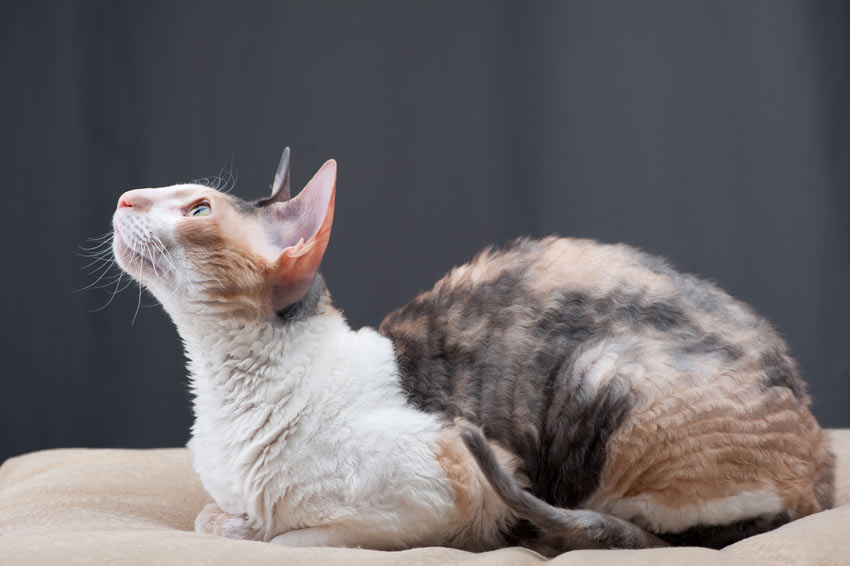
(135, 199)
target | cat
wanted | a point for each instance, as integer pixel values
(557, 394)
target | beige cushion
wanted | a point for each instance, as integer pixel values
(119, 507)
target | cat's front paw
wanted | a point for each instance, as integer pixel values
(212, 520)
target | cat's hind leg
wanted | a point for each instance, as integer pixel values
(212, 520)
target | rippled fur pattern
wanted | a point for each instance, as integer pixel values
(620, 400)
(623, 387)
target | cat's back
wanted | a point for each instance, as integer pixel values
(611, 374)
(533, 307)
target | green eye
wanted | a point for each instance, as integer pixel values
(200, 209)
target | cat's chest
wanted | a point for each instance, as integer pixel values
(243, 426)
(238, 459)
(322, 465)
(297, 438)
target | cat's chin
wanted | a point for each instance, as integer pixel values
(139, 266)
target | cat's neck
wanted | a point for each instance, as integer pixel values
(224, 342)
(224, 350)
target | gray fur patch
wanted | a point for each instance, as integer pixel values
(314, 301)
(781, 371)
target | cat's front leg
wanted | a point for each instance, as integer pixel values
(212, 520)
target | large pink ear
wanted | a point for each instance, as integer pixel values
(302, 228)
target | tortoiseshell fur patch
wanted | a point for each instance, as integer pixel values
(622, 386)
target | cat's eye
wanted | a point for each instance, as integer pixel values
(199, 209)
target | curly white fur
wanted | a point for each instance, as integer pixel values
(306, 426)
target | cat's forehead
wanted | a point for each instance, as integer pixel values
(188, 192)
(181, 192)
(193, 189)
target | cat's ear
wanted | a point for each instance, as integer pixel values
(280, 186)
(301, 227)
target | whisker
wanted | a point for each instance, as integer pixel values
(129, 282)
(218, 176)
(138, 305)
(105, 275)
(102, 275)
(105, 236)
(100, 246)
(148, 255)
(109, 282)
(112, 295)
(233, 178)
(165, 254)
(96, 253)
(96, 270)
(100, 259)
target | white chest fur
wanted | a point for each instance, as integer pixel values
(305, 425)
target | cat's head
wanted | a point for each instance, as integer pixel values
(202, 251)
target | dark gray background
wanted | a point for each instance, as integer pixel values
(714, 133)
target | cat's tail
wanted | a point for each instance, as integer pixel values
(571, 529)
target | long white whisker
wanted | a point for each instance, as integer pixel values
(234, 177)
(149, 255)
(138, 305)
(109, 281)
(165, 253)
(100, 253)
(102, 275)
(101, 260)
(129, 282)
(105, 236)
(171, 267)
(103, 266)
(96, 247)
(112, 295)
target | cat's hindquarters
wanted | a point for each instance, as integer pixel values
(712, 465)
(562, 529)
